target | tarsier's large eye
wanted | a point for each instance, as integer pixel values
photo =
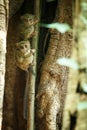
(26, 46)
(30, 20)
(18, 49)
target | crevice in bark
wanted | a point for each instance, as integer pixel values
(73, 122)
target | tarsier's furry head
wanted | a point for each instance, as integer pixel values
(29, 19)
(23, 47)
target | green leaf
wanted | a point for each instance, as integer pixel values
(83, 19)
(68, 62)
(84, 5)
(84, 87)
(82, 105)
(61, 27)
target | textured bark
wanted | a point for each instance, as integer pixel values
(75, 111)
(14, 6)
(53, 81)
(3, 33)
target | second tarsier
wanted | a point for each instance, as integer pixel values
(24, 55)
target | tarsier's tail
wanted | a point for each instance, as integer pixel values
(25, 110)
(25, 102)
(26, 93)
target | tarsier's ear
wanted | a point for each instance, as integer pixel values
(24, 17)
(36, 19)
(17, 44)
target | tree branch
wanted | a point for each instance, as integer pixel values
(32, 77)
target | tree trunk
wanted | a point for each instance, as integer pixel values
(53, 81)
(15, 82)
(3, 33)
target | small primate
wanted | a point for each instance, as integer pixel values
(24, 55)
(27, 26)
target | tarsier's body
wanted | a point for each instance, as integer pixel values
(24, 54)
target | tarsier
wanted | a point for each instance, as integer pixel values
(27, 28)
(24, 55)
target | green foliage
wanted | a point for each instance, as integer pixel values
(82, 105)
(84, 87)
(84, 20)
(84, 5)
(68, 62)
(61, 27)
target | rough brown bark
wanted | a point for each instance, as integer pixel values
(53, 81)
(14, 6)
(4, 5)
(15, 83)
